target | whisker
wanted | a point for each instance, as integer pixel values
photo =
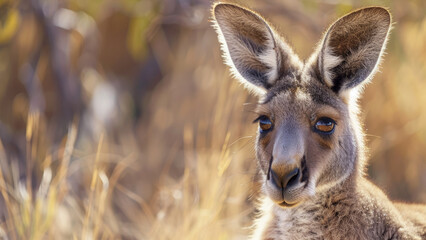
(240, 139)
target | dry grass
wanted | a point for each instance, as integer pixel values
(209, 201)
(185, 168)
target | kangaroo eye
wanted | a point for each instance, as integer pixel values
(325, 125)
(265, 124)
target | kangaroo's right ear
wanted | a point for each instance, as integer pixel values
(255, 54)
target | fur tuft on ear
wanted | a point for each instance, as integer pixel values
(254, 52)
(352, 47)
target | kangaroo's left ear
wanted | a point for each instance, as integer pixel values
(352, 47)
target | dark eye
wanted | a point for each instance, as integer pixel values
(325, 125)
(265, 124)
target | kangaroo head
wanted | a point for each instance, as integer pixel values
(309, 138)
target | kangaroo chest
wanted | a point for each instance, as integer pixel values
(329, 220)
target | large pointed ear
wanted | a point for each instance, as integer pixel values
(352, 48)
(255, 53)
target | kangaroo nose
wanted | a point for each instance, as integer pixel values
(287, 179)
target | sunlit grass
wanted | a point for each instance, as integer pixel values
(209, 201)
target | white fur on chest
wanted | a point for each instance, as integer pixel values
(277, 223)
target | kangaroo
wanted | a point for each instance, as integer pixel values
(310, 144)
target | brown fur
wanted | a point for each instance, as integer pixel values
(313, 182)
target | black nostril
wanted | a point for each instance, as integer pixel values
(288, 180)
(291, 178)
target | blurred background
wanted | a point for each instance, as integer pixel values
(118, 119)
